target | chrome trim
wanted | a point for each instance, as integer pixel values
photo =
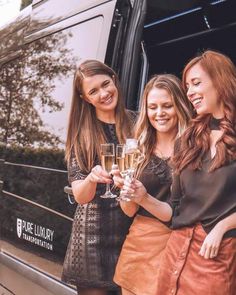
(166, 19)
(35, 167)
(144, 73)
(37, 205)
(225, 27)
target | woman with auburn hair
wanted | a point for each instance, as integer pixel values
(97, 116)
(165, 112)
(200, 256)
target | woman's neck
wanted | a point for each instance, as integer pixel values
(165, 144)
(106, 117)
(219, 112)
(164, 138)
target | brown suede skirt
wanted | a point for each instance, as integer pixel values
(184, 272)
(138, 264)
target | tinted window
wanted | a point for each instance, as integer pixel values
(35, 94)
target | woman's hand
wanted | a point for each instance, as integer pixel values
(99, 175)
(211, 244)
(134, 190)
(117, 178)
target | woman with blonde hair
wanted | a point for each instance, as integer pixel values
(164, 114)
(200, 256)
(97, 116)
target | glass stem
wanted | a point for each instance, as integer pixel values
(108, 189)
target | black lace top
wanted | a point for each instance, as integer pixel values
(98, 232)
(157, 179)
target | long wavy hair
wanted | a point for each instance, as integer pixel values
(85, 132)
(144, 131)
(195, 142)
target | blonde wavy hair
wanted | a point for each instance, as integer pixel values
(144, 131)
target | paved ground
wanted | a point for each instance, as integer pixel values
(17, 284)
(3, 291)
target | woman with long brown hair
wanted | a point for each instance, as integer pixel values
(97, 116)
(200, 256)
(165, 112)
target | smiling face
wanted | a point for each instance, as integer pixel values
(202, 93)
(161, 112)
(102, 93)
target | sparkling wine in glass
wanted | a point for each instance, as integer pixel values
(107, 159)
(120, 158)
(133, 157)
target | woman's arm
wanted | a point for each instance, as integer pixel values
(129, 208)
(159, 209)
(84, 190)
(211, 244)
(139, 195)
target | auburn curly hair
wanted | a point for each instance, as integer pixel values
(195, 141)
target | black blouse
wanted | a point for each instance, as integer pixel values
(199, 196)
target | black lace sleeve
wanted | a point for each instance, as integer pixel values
(74, 171)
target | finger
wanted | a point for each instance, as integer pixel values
(96, 170)
(99, 179)
(137, 184)
(212, 255)
(214, 252)
(105, 174)
(115, 172)
(207, 252)
(129, 182)
(128, 186)
(105, 180)
(202, 250)
(132, 196)
(94, 177)
(100, 172)
(127, 190)
(118, 181)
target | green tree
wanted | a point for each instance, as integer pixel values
(25, 3)
(26, 87)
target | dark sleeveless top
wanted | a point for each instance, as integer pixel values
(157, 179)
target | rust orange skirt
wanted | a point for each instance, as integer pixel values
(184, 272)
(138, 264)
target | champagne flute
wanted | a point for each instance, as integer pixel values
(120, 158)
(120, 161)
(133, 157)
(107, 159)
